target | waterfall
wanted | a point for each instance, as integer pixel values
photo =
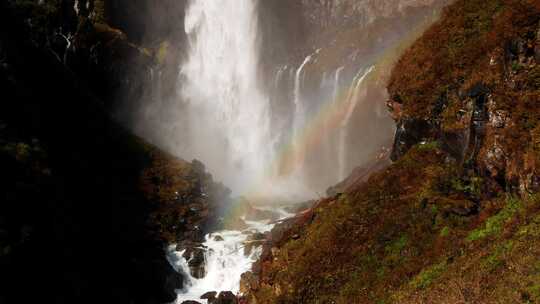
(351, 102)
(336, 83)
(279, 73)
(227, 112)
(299, 110)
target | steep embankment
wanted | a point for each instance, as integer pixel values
(86, 207)
(455, 219)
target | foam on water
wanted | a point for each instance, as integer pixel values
(224, 260)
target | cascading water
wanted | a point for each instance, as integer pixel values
(337, 78)
(299, 110)
(225, 260)
(228, 114)
(351, 102)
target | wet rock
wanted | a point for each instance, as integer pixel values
(185, 244)
(250, 245)
(191, 302)
(218, 238)
(258, 236)
(210, 296)
(195, 257)
(226, 297)
(410, 132)
(254, 240)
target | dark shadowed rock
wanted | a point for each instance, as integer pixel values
(210, 296)
(191, 302)
(226, 297)
(410, 132)
(196, 261)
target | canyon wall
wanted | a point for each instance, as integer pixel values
(315, 52)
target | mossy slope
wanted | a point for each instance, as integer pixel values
(455, 218)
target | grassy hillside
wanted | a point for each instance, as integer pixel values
(456, 217)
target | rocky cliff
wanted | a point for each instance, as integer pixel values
(87, 207)
(454, 219)
(315, 51)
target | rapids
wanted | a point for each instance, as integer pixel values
(225, 260)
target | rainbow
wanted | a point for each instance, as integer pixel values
(284, 168)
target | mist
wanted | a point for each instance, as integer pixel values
(271, 112)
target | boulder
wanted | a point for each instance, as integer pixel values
(226, 297)
(218, 238)
(190, 302)
(196, 261)
(210, 297)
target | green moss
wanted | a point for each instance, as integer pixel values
(445, 231)
(533, 289)
(496, 259)
(516, 66)
(396, 246)
(429, 146)
(427, 276)
(495, 224)
(532, 229)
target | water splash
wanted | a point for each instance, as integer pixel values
(228, 113)
(225, 260)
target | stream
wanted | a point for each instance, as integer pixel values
(225, 259)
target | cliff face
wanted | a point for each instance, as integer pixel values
(455, 218)
(317, 49)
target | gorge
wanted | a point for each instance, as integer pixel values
(253, 151)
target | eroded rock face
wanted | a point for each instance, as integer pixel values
(334, 13)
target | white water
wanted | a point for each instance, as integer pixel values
(228, 113)
(299, 118)
(337, 77)
(352, 100)
(225, 261)
(279, 73)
